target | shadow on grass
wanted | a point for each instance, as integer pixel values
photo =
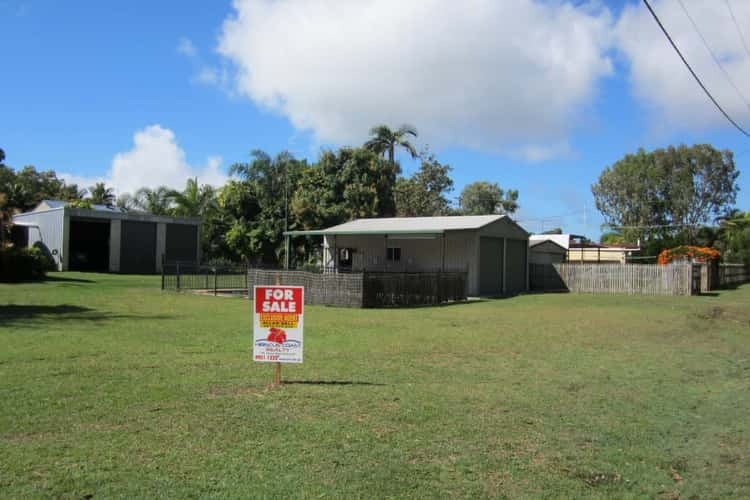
(48, 279)
(731, 286)
(33, 315)
(329, 382)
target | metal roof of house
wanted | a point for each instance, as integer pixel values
(538, 243)
(55, 204)
(562, 240)
(407, 225)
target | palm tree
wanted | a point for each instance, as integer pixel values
(126, 202)
(154, 201)
(194, 200)
(384, 140)
(101, 194)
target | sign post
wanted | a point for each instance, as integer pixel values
(278, 325)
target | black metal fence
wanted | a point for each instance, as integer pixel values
(192, 276)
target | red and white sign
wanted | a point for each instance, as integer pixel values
(277, 323)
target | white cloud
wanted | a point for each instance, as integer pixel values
(186, 48)
(483, 74)
(659, 78)
(543, 152)
(82, 181)
(211, 75)
(155, 160)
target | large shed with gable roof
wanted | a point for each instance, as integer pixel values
(491, 249)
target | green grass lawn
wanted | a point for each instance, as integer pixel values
(110, 387)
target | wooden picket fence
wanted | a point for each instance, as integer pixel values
(630, 279)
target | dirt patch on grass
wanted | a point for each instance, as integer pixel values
(721, 313)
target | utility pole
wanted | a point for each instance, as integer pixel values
(286, 214)
(585, 226)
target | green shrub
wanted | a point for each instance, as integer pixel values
(22, 264)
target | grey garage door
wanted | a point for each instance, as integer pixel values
(182, 243)
(515, 267)
(490, 266)
(138, 247)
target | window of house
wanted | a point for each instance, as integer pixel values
(345, 257)
(394, 254)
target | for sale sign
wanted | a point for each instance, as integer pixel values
(277, 323)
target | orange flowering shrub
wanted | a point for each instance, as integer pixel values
(696, 254)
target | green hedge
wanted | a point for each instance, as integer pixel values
(22, 264)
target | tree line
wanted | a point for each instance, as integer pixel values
(660, 199)
(245, 218)
(674, 196)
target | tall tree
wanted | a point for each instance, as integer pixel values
(484, 198)
(663, 197)
(344, 185)
(735, 234)
(100, 194)
(260, 205)
(424, 193)
(194, 200)
(24, 189)
(154, 201)
(385, 141)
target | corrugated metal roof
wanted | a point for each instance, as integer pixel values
(54, 203)
(407, 225)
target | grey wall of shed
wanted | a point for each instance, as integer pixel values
(50, 233)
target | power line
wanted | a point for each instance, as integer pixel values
(737, 25)
(713, 56)
(654, 226)
(697, 79)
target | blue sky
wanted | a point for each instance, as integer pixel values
(536, 96)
